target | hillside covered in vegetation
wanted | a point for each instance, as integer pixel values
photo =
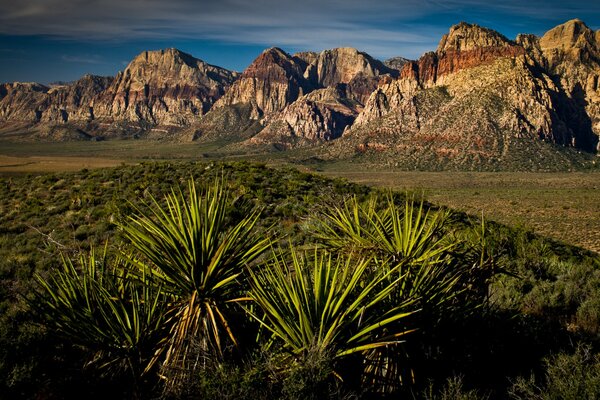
(234, 280)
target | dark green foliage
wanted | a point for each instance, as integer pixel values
(566, 377)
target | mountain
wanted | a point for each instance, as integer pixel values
(165, 89)
(396, 62)
(483, 101)
(358, 71)
(299, 99)
(570, 53)
(321, 115)
(480, 100)
(272, 81)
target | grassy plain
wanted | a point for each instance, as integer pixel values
(564, 206)
(561, 205)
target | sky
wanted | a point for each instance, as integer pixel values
(61, 40)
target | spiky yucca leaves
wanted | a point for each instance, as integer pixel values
(404, 235)
(98, 306)
(407, 238)
(328, 304)
(415, 243)
(197, 255)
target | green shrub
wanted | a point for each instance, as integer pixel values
(567, 377)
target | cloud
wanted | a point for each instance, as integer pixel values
(376, 26)
(83, 59)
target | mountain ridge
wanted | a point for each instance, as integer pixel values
(474, 98)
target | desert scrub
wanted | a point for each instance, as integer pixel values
(566, 377)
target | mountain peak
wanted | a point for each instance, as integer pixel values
(342, 65)
(465, 37)
(170, 56)
(273, 57)
(572, 34)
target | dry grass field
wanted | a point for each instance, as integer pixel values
(37, 164)
(564, 206)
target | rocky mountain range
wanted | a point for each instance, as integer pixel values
(479, 100)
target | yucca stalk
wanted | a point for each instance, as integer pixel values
(328, 304)
(197, 256)
(98, 306)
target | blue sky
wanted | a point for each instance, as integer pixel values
(61, 40)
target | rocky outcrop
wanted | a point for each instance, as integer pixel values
(273, 80)
(571, 55)
(465, 37)
(307, 56)
(396, 63)
(75, 101)
(358, 71)
(308, 96)
(23, 102)
(341, 65)
(321, 115)
(465, 46)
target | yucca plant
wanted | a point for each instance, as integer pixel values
(328, 304)
(408, 238)
(415, 243)
(94, 303)
(197, 255)
(404, 235)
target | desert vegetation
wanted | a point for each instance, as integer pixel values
(234, 280)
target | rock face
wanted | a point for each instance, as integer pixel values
(75, 101)
(273, 80)
(358, 71)
(480, 99)
(321, 115)
(570, 53)
(396, 63)
(22, 101)
(308, 97)
(165, 88)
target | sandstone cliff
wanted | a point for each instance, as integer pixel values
(165, 87)
(312, 96)
(321, 115)
(22, 101)
(357, 71)
(570, 53)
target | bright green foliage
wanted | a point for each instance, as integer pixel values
(327, 304)
(121, 320)
(407, 238)
(197, 256)
(404, 235)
